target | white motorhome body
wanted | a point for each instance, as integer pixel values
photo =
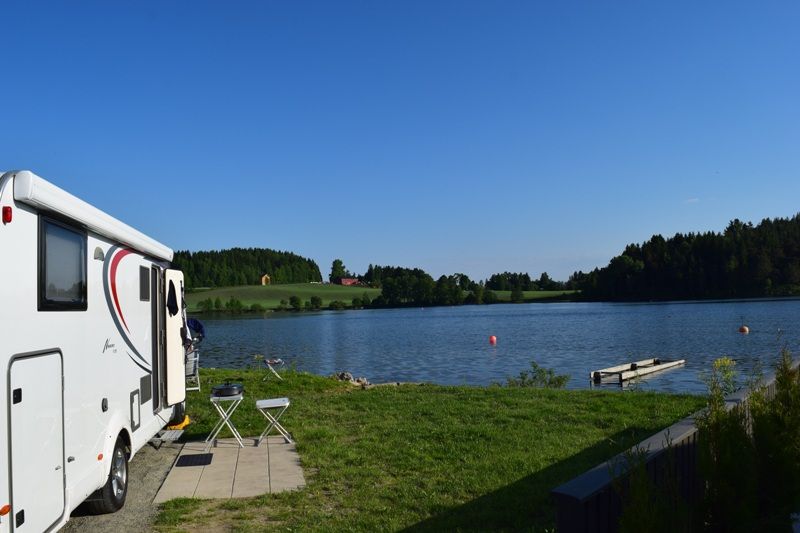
(91, 346)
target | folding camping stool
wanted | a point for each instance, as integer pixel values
(279, 404)
(271, 364)
(225, 418)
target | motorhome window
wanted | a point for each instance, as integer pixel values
(62, 267)
(144, 284)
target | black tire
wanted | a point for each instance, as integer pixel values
(111, 497)
(178, 414)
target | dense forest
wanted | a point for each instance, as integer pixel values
(741, 262)
(244, 266)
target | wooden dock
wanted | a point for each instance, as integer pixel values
(632, 370)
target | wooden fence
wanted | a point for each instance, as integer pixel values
(591, 502)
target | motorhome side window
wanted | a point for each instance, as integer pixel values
(144, 284)
(62, 267)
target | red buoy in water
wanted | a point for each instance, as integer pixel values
(744, 330)
(492, 340)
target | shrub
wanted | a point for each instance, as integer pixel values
(726, 456)
(337, 305)
(234, 305)
(776, 436)
(257, 308)
(748, 461)
(516, 295)
(316, 302)
(750, 454)
(538, 377)
(205, 305)
(296, 302)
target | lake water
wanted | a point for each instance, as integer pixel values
(449, 345)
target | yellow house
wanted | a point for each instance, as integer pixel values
(265, 279)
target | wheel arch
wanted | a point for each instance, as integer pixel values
(121, 431)
(126, 438)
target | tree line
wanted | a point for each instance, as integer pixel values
(402, 286)
(741, 262)
(508, 281)
(244, 266)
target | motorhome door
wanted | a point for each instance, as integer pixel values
(175, 353)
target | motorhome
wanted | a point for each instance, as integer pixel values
(92, 338)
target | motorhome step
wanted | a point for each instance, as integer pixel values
(627, 371)
(168, 435)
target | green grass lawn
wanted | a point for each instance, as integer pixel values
(270, 296)
(422, 457)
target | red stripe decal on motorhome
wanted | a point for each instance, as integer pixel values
(113, 276)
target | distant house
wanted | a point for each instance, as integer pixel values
(348, 281)
(265, 279)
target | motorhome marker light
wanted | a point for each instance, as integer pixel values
(7, 214)
(4, 510)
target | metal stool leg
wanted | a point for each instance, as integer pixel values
(273, 423)
(225, 416)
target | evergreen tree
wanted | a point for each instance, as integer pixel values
(742, 261)
(338, 271)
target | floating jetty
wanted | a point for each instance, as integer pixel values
(628, 371)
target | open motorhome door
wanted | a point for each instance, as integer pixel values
(174, 323)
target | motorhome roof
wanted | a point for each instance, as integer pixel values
(41, 194)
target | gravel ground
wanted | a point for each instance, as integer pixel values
(146, 473)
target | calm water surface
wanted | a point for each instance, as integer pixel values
(449, 345)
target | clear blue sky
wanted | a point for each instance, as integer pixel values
(469, 137)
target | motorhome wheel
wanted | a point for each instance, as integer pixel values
(111, 497)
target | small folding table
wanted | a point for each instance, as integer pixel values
(279, 404)
(225, 417)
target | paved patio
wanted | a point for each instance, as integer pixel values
(228, 471)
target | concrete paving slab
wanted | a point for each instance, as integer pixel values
(232, 471)
(179, 482)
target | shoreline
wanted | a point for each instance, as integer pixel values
(546, 300)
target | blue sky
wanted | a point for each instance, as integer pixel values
(469, 137)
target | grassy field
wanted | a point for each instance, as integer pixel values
(270, 296)
(422, 457)
(532, 296)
